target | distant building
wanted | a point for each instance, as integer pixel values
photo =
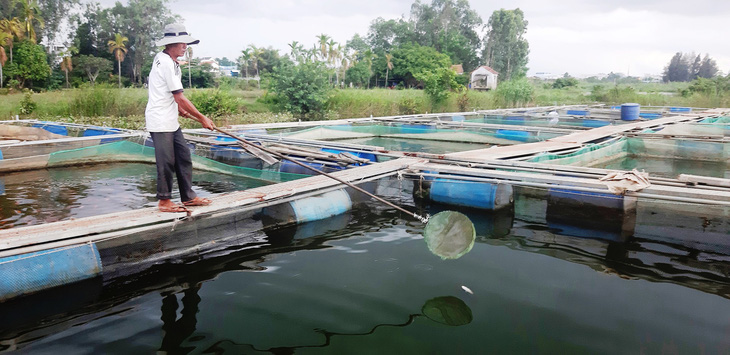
(212, 63)
(458, 68)
(483, 78)
(229, 70)
(546, 76)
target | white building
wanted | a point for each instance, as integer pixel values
(483, 78)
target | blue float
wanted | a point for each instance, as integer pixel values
(630, 112)
(53, 128)
(1, 154)
(522, 136)
(650, 115)
(680, 109)
(288, 167)
(471, 194)
(321, 206)
(33, 272)
(594, 123)
(577, 112)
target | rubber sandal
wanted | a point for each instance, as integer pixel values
(174, 209)
(198, 201)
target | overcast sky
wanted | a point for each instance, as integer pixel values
(580, 37)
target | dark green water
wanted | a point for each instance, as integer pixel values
(364, 282)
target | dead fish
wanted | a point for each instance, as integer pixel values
(467, 290)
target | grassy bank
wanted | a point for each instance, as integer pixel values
(124, 108)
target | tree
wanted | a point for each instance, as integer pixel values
(678, 68)
(189, 58)
(31, 13)
(3, 56)
(67, 62)
(506, 48)
(411, 59)
(384, 35)
(388, 66)
(323, 38)
(708, 69)
(30, 64)
(358, 74)
(119, 49)
(93, 66)
(301, 89)
(449, 26)
(244, 59)
(55, 13)
(14, 28)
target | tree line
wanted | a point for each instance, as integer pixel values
(688, 67)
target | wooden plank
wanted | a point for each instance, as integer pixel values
(74, 228)
(696, 179)
(511, 151)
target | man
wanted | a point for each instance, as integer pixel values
(166, 101)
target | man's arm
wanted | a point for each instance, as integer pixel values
(187, 109)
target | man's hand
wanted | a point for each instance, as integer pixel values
(207, 123)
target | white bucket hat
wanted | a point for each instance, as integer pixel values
(176, 33)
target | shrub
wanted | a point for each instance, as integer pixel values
(514, 92)
(437, 84)
(27, 105)
(301, 89)
(215, 102)
(407, 106)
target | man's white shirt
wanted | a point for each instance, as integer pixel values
(165, 79)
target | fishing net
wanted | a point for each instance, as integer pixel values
(449, 234)
(129, 151)
(422, 131)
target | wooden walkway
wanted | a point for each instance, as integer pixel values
(575, 140)
(91, 229)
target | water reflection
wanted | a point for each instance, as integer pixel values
(445, 310)
(177, 330)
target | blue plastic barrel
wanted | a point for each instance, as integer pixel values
(32, 272)
(680, 109)
(630, 112)
(321, 206)
(577, 112)
(369, 156)
(53, 128)
(288, 167)
(522, 136)
(471, 194)
(1, 154)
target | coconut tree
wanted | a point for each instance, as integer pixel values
(119, 49)
(323, 38)
(3, 56)
(369, 56)
(244, 59)
(14, 29)
(189, 58)
(388, 66)
(31, 12)
(255, 55)
(67, 63)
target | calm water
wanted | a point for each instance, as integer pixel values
(671, 168)
(50, 195)
(364, 282)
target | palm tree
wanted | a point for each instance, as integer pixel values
(3, 57)
(67, 63)
(14, 28)
(369, 56)
(323, 38)
(189, 58)
(119, 49)
(31, 11)
(255, 55)
(388, 66)
(244, 59)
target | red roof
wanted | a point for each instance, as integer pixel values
(458, 68)
(489, 69)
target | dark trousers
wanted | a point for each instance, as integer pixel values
(172, 156)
